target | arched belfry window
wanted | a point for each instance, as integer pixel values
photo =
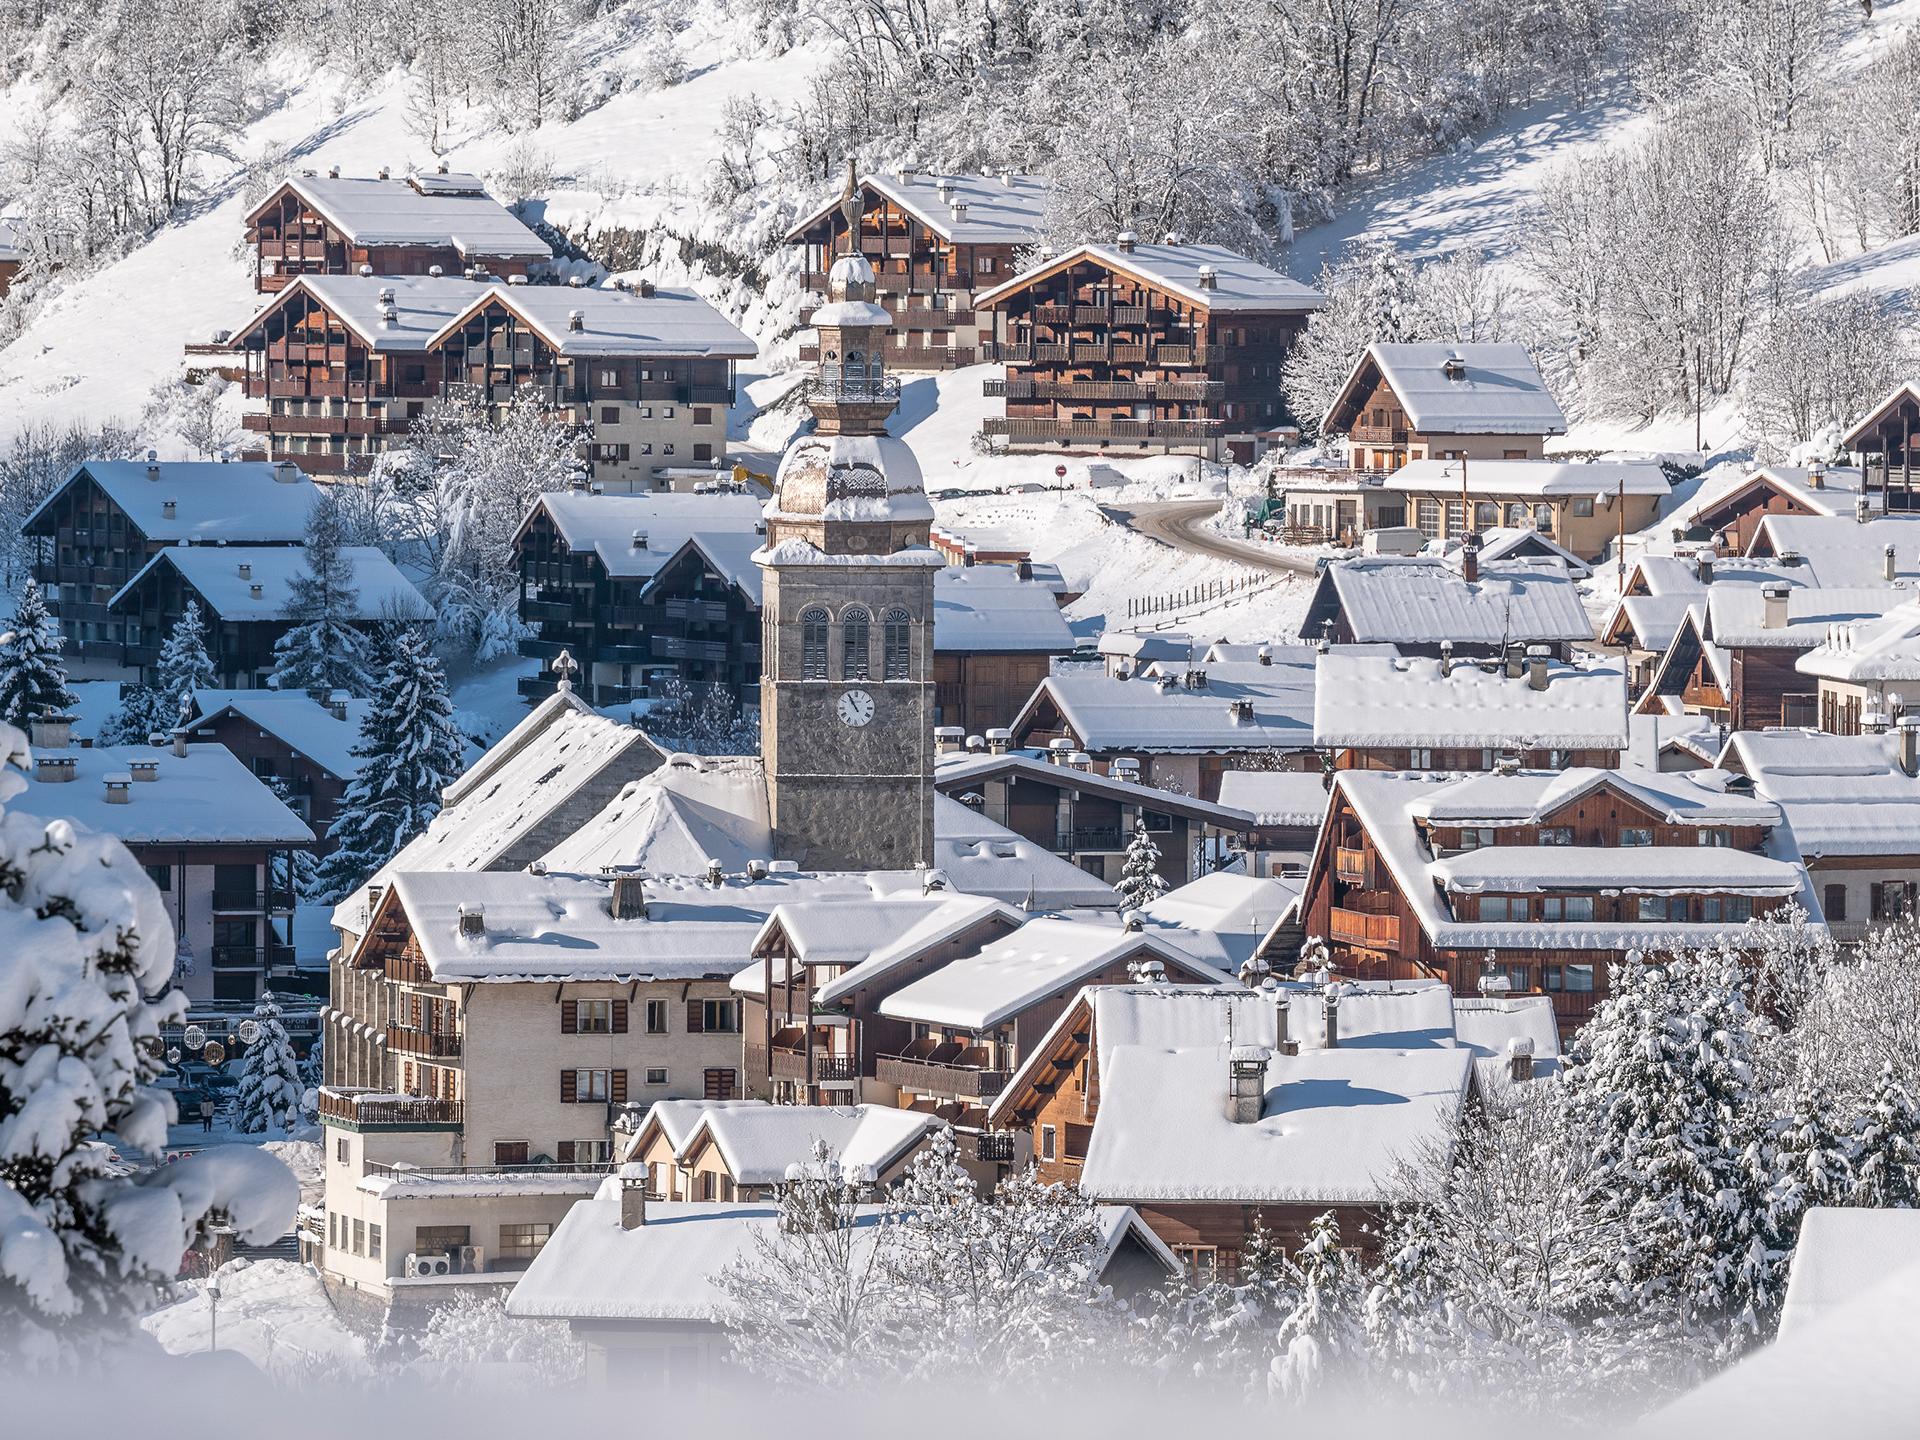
(897, 645)
(855, 627)
(813, 643)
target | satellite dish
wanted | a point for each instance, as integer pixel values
(195, 1038)
(249, 1031)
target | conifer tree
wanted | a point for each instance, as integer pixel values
(1323, 1342)
(137, 720)
(409, 750)
(1886, 1162)
(270, 1083)
(294, 871)
(32, 679)
(1140, 878)
(324, 650)
(184, 666)
(1809, 1165)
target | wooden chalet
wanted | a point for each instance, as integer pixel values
(933, 241)
(110, 518)
(1884, 440)
(1554, 875)
(1731, 512)
(725, 1150)
(1406, 402)
(637, 589)
(996, 633)
(443, 223)
(1457, 605)
(1131, 348)
(302, 741)
(343, 364)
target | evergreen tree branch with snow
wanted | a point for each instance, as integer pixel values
(324, 650)
(1140, 879)
(271, 1086)
(183, 668)
(33, 682)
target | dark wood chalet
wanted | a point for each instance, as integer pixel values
(933, 242)
(443, 223)
(110, 518)
(302, 741)
(1884, 440)
(1554, 875)
(1406, 402)
(1133, 347)
(1733, 516)
(641, 588)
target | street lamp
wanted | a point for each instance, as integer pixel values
(213, 1316)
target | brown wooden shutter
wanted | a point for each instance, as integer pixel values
(568, 1082)
(569, 1017)
(619, 1017)
(617, 1087)
(696, 1018)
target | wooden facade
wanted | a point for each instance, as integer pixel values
(291, 238)
(1102, 358)
(1884, 439)
(313, 791)
(241, 649)
(1759, 688)
(1734, 519)
(981, 689)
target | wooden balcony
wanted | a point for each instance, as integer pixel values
(405, 1040)
(408, 970)
(376, 1110)
(1376, 932)
(933, 1077)
(1094, 391)
(1351, 865)
(786, 1062)
(1097, 431)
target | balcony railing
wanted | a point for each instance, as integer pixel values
(994, 1149)
(252, 900)
(786, 1062)
(1089, 839)
(436, 1043)
(932, 1077)
(1376, 932)
(1350, 865)
(1089, 391)
(1020, 428)
(371, 1109)
(860, 390)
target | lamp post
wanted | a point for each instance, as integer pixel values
(213, 1316)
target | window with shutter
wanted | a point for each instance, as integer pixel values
(569, 1017)
(618, 1092)
(696, 1017)
(568, 1091)
(719, 1084)
(619, 1017)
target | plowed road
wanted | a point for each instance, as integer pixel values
(1181, 524)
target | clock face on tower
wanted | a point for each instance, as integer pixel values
(856, 708)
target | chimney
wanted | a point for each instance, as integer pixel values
(383, 173)
(644, 288)
(1513, 662)
(1209, 278)
(144, 770)
(246, 569)
(959, 211)
(576, 321)
(1520, 1058)
(1247, 1082)
(285, 472)
(1537, 667)
(1125, 767)
(1875, 722)
(998, 740)
(947, 738)
(756, 869)
(337, 704)
(633, 1199)
(1703, 565)
(1454, 367)
(51, 730)
(256, 590)
(1333, 1019)
(1126, 242)
(180, 741)
(1058, 750)
(170, 509)
(1470, 559)
(1889, 569)
(1909, 746)
(389, 316)
(1446, 658)
(473, 920)
(333, 172)
(366, 272)
(386, 295)
(1023, 567)
(1240, 711)
(716, 876)
(1773, 615)
(441, 168)
(1080, 760)
(639, 539)
(54, 769)
(119, 788)
(629, 898)
(1264, 655)
(1817, 475)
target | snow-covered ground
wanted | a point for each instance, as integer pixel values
(274, 1312)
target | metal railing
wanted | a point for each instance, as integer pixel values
(885, 390)
(996, 1149)
(375, 1108)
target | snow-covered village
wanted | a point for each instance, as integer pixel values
(1119, 717)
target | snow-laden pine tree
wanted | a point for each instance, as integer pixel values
(184, 667)
(1222, 1329)
(1323, 1347)
(409, 750)
(1140, 877)
(1661, 1079)
(324, 650)
(1808, 1160)
(138, 718)
(32, 679)
(86, 953)
(270, 1082)
(1886, 1152)
(294, 872)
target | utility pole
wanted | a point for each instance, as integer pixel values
(1620, 526)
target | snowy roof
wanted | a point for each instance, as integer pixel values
(989, 609)
(1528, 796)
(617, 322)
(848, 478)
(1542, 478)
(1146, 646)
(1334, 1124)
(1518, 542)
(1629, 870)
(1004, 209)
(305, 725)
(1737, 615)
(245, 501)
(874, 941)
(1841, 1255)
(1276, 797)
(1107, 713)
(1863, 429)
(1869, 651)
(561, 927)
(760, 1142)
(720, 527)
(1836, 494)
(255, 582)
(205, 797)
(1499, 392)
(1372, 701)
(677, 1120)
(1839, 794)
(689, 811)
(1239, 284)
(980, 857)
(1842, 551)
(394, 212)
(1420, 599)
(953, 774)
(1652, 621)
(1221, 918)
(1045, 957)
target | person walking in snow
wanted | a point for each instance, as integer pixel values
(206, 1114)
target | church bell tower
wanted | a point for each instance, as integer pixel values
(846, 688)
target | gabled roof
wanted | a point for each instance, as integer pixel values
(1239, 284)
(955, 774)
(989, 610)
(1872, 650)
(1277, 797)
(243, 502)
(1862, 432)
(453, 211)
(1004, 209)
(1108, 714)
(1839, 794)
(875, 942)
(1371, 701)
(1421, 599)
(674, 820)
(1730, 487)
(1522, 542)
(1737, 615)
(722, 528)
(1499, 390)
(301, 723)
(205, 797)
(761, 1142)
(981, 857)
(1842, 551)
(1221, 918)
(381, 592)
